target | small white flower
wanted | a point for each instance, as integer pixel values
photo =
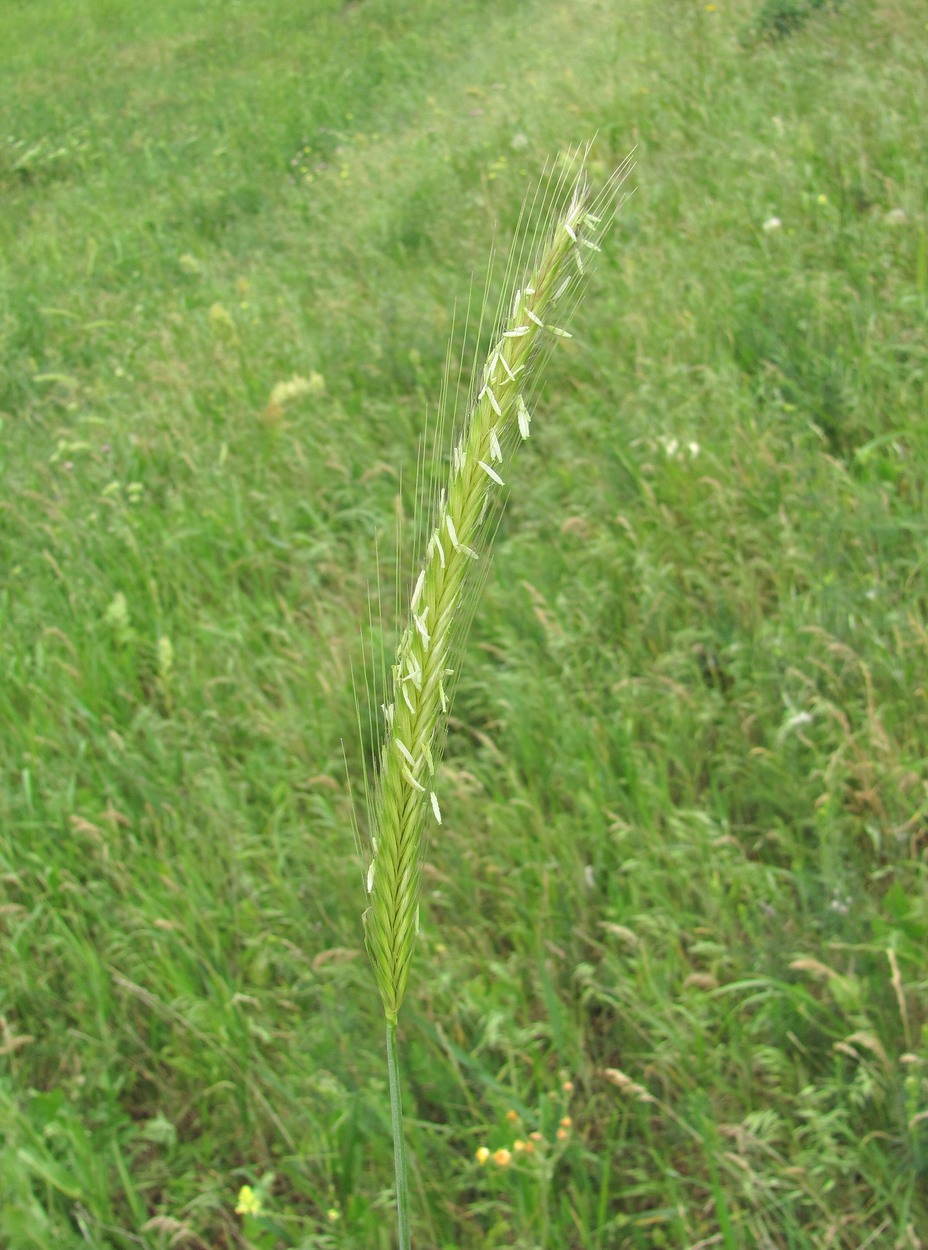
(841, 903)
(772, 223)
(895, 217)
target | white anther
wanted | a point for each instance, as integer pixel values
(414, 673)
(523, 417)
(516, 333)
(491, 473)
(412, 781)
(417, 593)
(405, 752)
(496, 452)
(435, 808)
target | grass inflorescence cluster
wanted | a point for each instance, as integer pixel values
(442, 601)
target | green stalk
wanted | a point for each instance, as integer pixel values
(399, 1140)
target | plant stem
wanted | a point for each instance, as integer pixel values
(399, 1141)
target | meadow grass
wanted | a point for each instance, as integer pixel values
(678, 897)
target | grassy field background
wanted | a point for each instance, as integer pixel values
(678, 906)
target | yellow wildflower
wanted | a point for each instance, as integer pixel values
(248, 1202)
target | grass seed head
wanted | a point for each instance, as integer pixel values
(404, 800)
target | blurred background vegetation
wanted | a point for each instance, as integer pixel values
(675, 923)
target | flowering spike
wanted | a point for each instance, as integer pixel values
(442, 597)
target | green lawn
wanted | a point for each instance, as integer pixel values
(679, 896)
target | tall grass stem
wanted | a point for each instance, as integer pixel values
(399, 1139)
(403, 802)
